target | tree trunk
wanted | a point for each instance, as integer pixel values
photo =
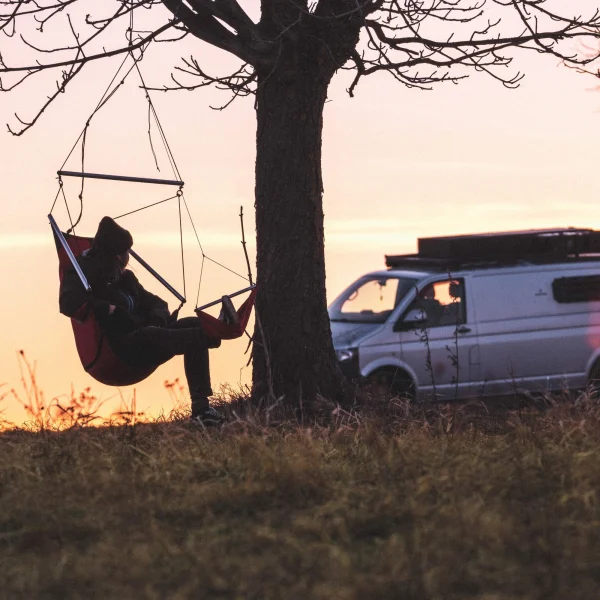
(298, 360)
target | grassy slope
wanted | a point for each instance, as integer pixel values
(442, 506)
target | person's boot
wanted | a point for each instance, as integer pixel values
(209, 417)
(228, 313)
(204, 414)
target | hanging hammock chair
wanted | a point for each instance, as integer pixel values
(95, 352)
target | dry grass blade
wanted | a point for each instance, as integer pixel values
(389, 501)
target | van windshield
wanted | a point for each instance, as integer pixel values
(371, 299)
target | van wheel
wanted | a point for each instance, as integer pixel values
(391, 382)
(594, 380)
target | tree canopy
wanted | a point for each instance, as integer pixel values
(418, 42)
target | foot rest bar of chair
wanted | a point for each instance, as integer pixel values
(67, 249)
(230, 295)
(119, 178)
(158, 276)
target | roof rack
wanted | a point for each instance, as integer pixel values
(508, 247)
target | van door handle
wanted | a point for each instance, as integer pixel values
(463, 329)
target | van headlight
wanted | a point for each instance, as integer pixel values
(347, 354)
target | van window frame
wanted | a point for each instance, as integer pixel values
(338, 317)
(577, 292)
(400, 325)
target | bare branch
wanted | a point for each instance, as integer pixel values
(401, 26)
(418, 42)
(94, 35)
(230, 12)
(240, 82)
(202, 23)
(86, 59)
(66, 79)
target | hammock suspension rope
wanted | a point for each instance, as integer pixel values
(113, 86)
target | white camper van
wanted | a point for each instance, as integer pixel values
(476, 315)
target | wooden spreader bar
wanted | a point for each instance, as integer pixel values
(230, 295)
(67, 249)
(157, 276)
(120, 178)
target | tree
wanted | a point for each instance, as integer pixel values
(288, 56)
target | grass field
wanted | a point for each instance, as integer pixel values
(395, 502)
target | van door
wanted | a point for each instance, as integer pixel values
(528, 340)
(438, 340)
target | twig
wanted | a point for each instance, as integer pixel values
(271, 393)
(244, 245)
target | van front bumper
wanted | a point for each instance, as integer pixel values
(348, 361)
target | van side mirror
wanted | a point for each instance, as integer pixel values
(413, 319)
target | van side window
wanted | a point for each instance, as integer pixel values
(442, 303)
(576, 289)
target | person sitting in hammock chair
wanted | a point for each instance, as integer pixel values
(137, 323)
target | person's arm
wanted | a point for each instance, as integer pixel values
(153, 307)
(74, 301)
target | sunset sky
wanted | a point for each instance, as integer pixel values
(398, 164)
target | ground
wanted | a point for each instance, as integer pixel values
(441, 502)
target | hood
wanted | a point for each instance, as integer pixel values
(350, 335)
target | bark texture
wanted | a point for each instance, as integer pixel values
(298, 359)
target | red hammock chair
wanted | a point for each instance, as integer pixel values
(96, 355)
(217, 329)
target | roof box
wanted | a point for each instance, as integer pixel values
(512, 244)
(502, 247)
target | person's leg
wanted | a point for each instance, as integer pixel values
(197, 370)
(156, 345)
(197, 366)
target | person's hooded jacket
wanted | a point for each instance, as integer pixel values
(134, 306)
